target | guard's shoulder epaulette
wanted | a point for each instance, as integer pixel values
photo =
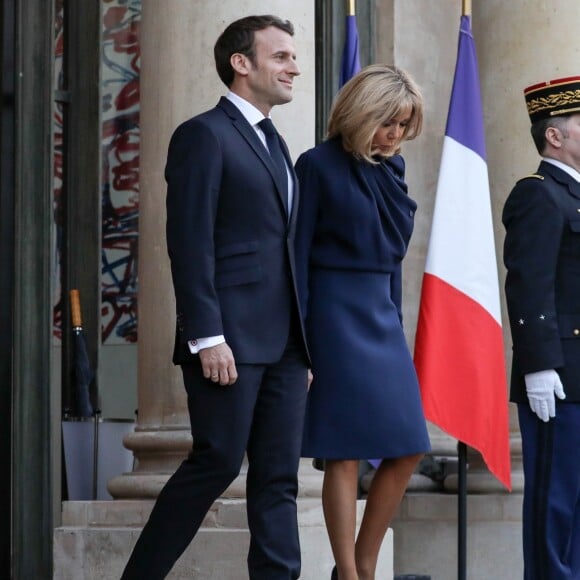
(532, 176)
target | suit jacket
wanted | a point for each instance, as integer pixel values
(229, 237)
(542, 257)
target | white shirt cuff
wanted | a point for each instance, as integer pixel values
(197, 344)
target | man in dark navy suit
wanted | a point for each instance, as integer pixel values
(231, 209)
(542, 257)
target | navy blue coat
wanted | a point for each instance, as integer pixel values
(229, 237)
(340, 199)
(354, 226)
(542, 257)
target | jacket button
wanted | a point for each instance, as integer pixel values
(576, 332)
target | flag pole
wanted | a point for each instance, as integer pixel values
(462, 457)
(461, 511)
(351, 11)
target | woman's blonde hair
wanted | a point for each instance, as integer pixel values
(375, 95)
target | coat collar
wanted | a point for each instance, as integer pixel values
(561, 177)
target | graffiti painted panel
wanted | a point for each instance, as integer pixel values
(120, 177)
(57, 152)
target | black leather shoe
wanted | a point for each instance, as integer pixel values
(334, 575)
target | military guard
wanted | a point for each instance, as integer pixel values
(542, 257)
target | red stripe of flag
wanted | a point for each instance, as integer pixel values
(455, 339)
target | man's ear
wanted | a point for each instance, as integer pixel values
(554, 137)
(240, 63)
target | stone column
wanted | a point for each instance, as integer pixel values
(519, 43)
(178, 81)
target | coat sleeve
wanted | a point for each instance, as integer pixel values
(193, 174)
(306, 225)
(534, 225)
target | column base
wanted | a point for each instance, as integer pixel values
(147, 485)
(484, 482)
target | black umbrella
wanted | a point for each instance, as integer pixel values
(83, 374)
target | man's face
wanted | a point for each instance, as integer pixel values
(270, 75)
(570, 149)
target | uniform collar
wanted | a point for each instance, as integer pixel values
(569, 170)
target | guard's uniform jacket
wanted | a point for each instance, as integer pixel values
(542, 257)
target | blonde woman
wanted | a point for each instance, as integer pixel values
(354, 225)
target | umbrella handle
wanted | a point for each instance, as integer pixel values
(75, 304)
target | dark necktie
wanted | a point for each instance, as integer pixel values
(273, 142)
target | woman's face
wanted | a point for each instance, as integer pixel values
(388, 136)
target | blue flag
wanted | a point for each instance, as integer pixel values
(350, 57)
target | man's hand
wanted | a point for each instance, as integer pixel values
(218, 364)
(541, 388)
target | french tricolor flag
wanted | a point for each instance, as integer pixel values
(459, 353)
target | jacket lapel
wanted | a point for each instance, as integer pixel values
(249, 134)
(295, 191)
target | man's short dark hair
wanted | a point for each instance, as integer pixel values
(239, 37)
(538, 130)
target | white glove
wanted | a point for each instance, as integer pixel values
(541, 388)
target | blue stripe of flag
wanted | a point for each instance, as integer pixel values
(350, 55)
(465, 120)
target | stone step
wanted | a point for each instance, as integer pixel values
(96, 538)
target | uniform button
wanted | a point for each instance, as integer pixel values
(576, 332)
(578, 210)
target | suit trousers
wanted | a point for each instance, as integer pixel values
(551, 516)
(262, 414)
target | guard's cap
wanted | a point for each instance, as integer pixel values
(552, 98)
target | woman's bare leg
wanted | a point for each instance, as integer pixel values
(339, 495)
(385, 494)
